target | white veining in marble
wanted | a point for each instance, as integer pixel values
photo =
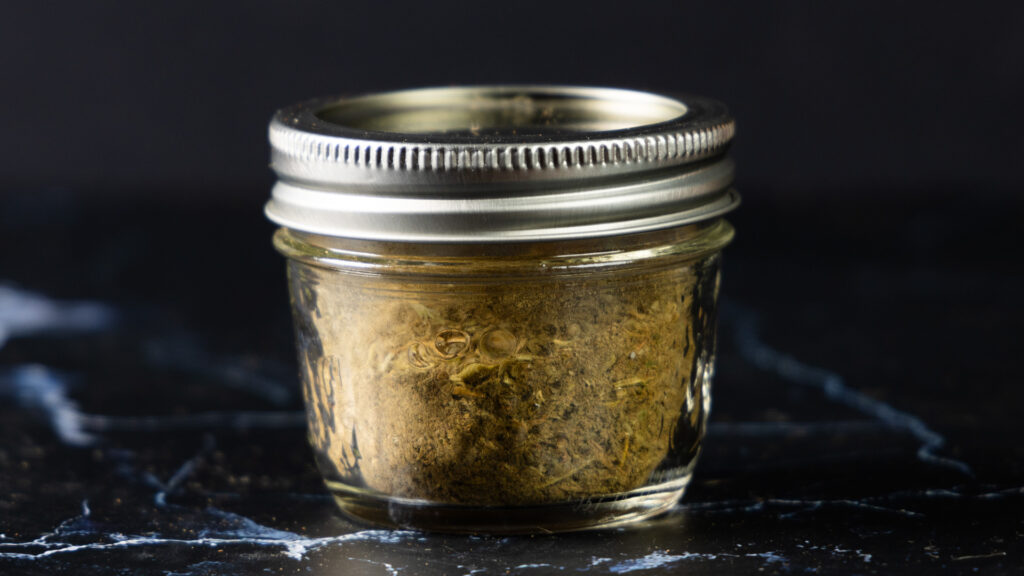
(659, 559)
(25, 313)
(753, 349)
(40, 388)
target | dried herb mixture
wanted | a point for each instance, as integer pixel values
(522, 393)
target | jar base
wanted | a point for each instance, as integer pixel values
(611, 511)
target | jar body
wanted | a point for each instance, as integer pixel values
(512, 388)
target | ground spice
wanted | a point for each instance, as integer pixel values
(518, 393)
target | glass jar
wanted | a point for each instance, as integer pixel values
(504, 299)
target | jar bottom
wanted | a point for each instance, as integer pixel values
(609, 511)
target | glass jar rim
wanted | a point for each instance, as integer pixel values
(453, 263)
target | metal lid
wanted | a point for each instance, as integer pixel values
(499, 163)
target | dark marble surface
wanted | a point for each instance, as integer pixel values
(865, 419)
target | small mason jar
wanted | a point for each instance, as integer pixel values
(504, 299)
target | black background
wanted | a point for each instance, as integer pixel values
(879, 155)
(857, 98)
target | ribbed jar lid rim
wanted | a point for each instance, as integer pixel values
(499, 163)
